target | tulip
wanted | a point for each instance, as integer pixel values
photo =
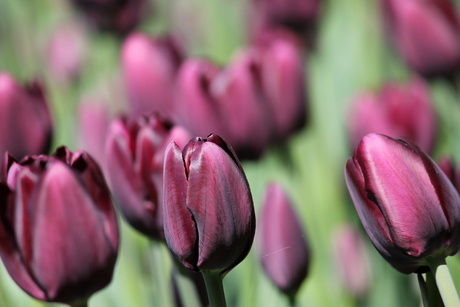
(58, 227)
(425, 34)
(408, 206)
(451, 170)
(117, 16)
(149, 68)
(209, 219)
(397, 111)
(134, 153)
(352, 261)
(25, 120)
(284, 252)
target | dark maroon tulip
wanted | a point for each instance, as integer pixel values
(209, 219)
(451, 170)
(134, 155)
(284, 252)
(149, 68)
(58, 228)
(118, 16)
(425, 34)
(25, 120)
(397, 111)
(408, 206)
(352, 261)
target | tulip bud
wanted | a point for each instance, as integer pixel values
(452, 172)
(58, 227)
(135, 154)
(408, 206)
(149, 70)
(284, 252)
(397, 111)
(209, 219)
(425, 34)
(25, 120)
(352, 261)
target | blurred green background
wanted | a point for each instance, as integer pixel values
(351, 56)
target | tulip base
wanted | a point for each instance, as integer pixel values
(215, 289)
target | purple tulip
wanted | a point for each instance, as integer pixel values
(408, 206)
(135, 154)
(284, 252)
(352, 261)
(149, 67)
(425, 34)
(209, 219)
(58, 228)
(118, 16)
(397, 111)
(25, 120)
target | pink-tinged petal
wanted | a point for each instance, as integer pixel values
(219, 198)
(179, 224)
(69, 243)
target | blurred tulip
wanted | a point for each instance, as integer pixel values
(58, 228)
(397, 111)
(408, 206)
(66, 52)
(425, 34)
(451, 170)
(284, 252)
(209, 219)
(25, 120)
(352, 261)
(118, 16)
(149, 69)
(134, 155)
(93, 119)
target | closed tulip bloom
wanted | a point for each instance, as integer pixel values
(149, 68)
(284, 252)
(25, 120)
(398, 111)
(134, 154)
(209, 216)
(408, 206)
(425, 34)
(58, 227)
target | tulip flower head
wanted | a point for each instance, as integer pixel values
(408, 206)
(58, 228)
(209, 218)
(451, 170)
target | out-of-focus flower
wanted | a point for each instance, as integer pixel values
(149, 68)
(284, 253)
(134, 154)
(118, 16)
(94, 120)
(66, 51)
(408, 206)
(425, 34)
(397, 111)
(58, 228)
(209, 218)
(352, 261)
(451, 170)
(25, 119)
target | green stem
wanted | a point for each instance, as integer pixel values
(215, 289)
(445, 284)
(83, 303)
(187, 290)
(423, 290)
(434, 297)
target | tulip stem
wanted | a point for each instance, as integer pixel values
(445, 285)
(423, 290)
(215, 289)
(80, 304)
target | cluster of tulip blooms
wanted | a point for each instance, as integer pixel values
(172, 161)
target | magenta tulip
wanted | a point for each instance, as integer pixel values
(149, 69)
(58, 228)
(209, 219)
(134, 154)
(284, 252)
(25, 120)
(397, 111)
(425, 34)
(408, 206)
